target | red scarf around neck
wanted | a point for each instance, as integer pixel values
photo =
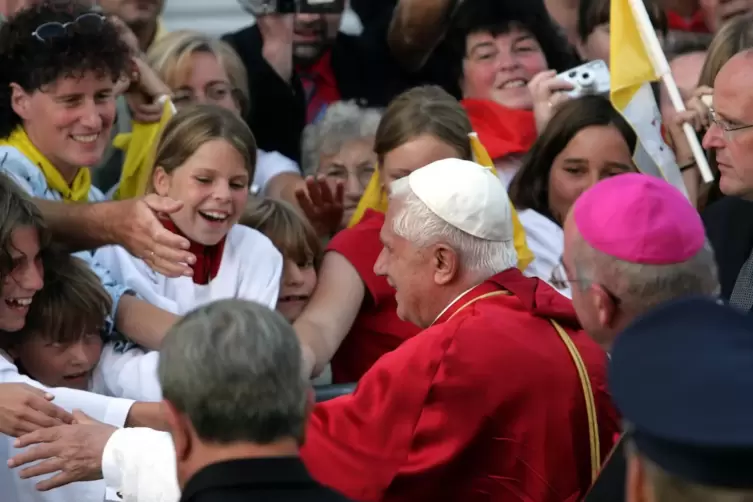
(503, 131)
(208, 258)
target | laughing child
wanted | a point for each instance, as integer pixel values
(205, 159)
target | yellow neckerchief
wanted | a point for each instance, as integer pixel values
(140, 146)
(375, 198)
(78, 191)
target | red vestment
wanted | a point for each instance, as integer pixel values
(377, 329)
(484, 405)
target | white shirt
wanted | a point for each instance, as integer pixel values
(251, 269)
(546, 240)
(126, 370)
(105, 409)
(140, 464)
(269, 165)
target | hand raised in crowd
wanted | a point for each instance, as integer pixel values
(74, 452)
(24, 409)
(548, 92)
(142, 87)
(139, 230)
(322, 207)
(697, 113)
(144, 93)
(277, 33)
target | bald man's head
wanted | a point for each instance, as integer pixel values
(731, 136)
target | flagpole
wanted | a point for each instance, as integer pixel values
(661, 66)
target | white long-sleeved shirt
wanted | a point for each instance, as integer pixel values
(250, 269)
(140, 464)
(126, 370)
(109, 410)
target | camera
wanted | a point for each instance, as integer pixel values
(588, 79)
(265, 7)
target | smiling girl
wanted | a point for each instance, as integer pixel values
(205, 159)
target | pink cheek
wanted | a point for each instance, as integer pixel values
(534, 64)
(479, 82)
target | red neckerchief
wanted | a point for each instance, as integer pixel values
(694, 24)
(208, 258)
(503, 131)
(319, 84)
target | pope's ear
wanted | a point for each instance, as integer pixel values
(446, 264)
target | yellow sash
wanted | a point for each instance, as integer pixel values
(375, 198)
(585, 382)
(139, 146)
(78, 191)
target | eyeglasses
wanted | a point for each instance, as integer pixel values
(85, 23)
(215, 92)
(729, 130)
(560, 281)
(362, 174)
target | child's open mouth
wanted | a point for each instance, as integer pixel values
(76, 376)
(292, 298)
(214, 216)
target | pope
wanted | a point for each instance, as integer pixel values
(487, 402)
(500, 397)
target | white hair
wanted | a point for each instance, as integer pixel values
(343, 122)
(642, 287)
(416, 223)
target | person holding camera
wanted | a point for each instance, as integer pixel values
(298, 62)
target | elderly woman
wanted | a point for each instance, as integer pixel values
(340, 147)
(200, 69)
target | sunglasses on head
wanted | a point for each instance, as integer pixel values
(85, 23)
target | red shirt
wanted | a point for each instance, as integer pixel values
(694, 24)
(377, 329)
(484, 405)
(319, 85)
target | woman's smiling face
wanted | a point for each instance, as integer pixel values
(498, 68)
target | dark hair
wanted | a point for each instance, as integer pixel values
(72, 303)
(32, 64)
(688, 46)
(498, 17)
(592, 13)
(529, 188)
(17, 211)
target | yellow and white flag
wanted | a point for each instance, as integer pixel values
(632, 69)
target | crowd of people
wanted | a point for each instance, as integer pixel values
(414, 263)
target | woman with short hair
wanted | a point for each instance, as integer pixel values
(340, 147)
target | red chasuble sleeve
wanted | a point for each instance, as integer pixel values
(486, 406)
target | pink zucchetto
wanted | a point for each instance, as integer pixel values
(639, 218)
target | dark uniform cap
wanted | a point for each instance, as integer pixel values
(682, 376)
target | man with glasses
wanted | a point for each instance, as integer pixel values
(729, 222)
(633, 242)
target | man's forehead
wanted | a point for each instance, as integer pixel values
(733, 93)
